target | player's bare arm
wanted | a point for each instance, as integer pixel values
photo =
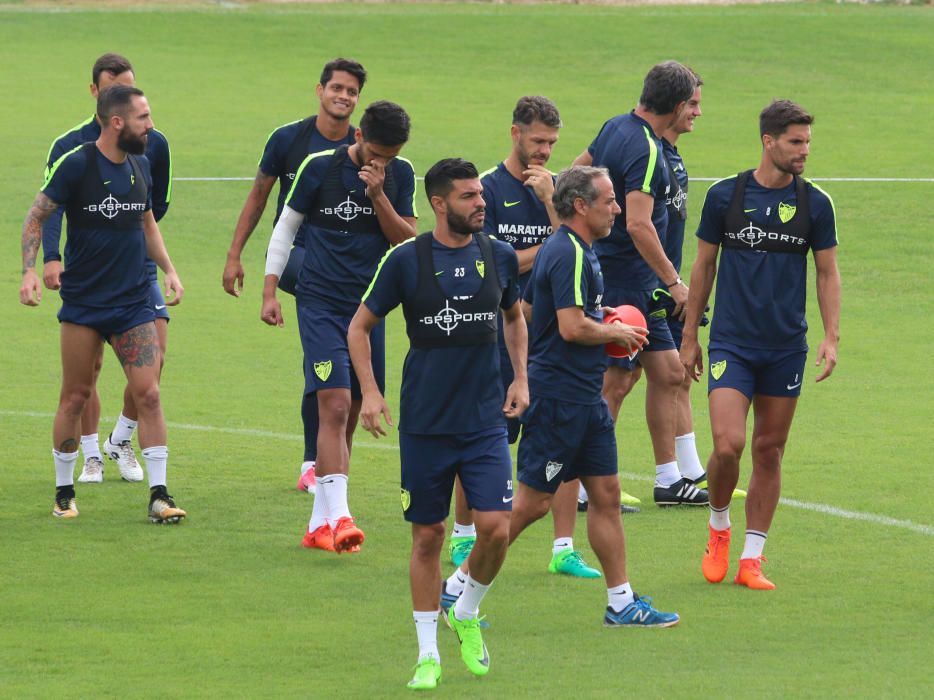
(639, 225)
(516, 335)
(30, 293)
(155, 249)
(250, 215)
(828, 299)
(702, 276)
(137, 347)
(576, 327)
(373, 404)
(277, 255)
(583, 159)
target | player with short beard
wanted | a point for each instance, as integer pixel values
(762, 223)
(106, 193)
(451, 284)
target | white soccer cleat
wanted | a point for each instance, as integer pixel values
(123, 455)
(93, 471)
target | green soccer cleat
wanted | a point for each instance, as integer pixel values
(627, 499)
(459, 549)
(473, 650)
(427, 674)
(701, 483)
(570, 563)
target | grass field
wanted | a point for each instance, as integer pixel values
(229, 605)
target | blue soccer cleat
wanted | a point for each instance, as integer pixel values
(639, 613)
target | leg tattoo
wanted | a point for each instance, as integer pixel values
(137, 347)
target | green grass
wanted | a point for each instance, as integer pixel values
(229, 605)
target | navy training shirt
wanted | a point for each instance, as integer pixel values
(760, 296)
(339, 264)
(456, 390)
(630, 150)
(674, 236)
(566, 274)
(274, 161)
(160, 165)
(103, 267)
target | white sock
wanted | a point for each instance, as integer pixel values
(123, 430)
(464, 530)
(335, 493)
(319, 511)
(307, 465)
(561, 544)
(582, 494)
(688, 461)
(720, 518)
(91, 447)
(456, 582)
(619, 596)
(64, 467)
(666, 474)
(755, 543)
(156, 458)
(468, 605)
(426, 627)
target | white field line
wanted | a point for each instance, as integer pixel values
(693, 179)
(789, 502)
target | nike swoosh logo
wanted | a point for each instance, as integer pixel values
(792, 387)
(507, 500)
(511, 204)
(159, 308)
(438, 274)
(748, 211)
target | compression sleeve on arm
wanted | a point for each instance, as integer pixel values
(280, 244)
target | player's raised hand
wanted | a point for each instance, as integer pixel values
(174, 291)
(374, 175)
(692, 359)
(371, 408)
(30, 292)
(539, 178)
(233, 277)
(271, 313)
(826, 353)
(52, 274)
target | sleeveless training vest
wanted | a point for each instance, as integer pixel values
(337, 209)
(298, 150)
(434, 320)
(94, 207)
(677, 196)
(793, 236)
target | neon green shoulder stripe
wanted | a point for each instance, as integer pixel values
(414, 189)
(59, 138)
(380, 266)
(578, 271)
(487, 172)
(305, 162)
(653, 158)
(168, 150)
(273, 132)
(58, 163)
(833, 209)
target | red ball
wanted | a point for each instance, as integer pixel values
(629, 315)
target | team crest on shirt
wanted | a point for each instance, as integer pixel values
(481, 268)
(718, 368)
(786, 211)
(552, 469)
(323, 370)
(406, 500)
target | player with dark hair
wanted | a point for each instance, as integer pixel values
(110, 69)
(762, 223)
(357, 201)
(338, 91)
(567, 430)
(105, 189)
(635, 265)
(451, 284)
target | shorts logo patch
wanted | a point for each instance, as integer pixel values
(786, 211)
(659, 313)
(481, 268)
(406, 500)
(552, 469)
(323, 370)
(718, 368)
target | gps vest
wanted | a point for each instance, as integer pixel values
(434, 320)
(337, 209)
(298, 150)
(95, 207)
(677, 199)
(792, 236)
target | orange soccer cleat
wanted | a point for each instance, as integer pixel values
(321, 538)
(716, 556)
(347, 536)
(750, 575)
